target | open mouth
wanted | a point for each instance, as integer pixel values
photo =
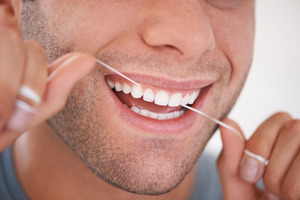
(152, 102)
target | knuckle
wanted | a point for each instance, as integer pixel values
(282, 116)
(272, 181)
(36, 74)
(10, 36)
(35, 48)
(6, 103)
(290, 191)
(219, 161)
(293, 127)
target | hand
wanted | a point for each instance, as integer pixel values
(276, 140)
(23, 63)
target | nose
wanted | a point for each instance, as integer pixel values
(180, 25)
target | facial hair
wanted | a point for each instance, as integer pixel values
(148, 165)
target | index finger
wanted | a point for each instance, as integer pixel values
(8, 19)
(262, 141)
(259, 147)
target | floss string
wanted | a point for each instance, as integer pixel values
(185, 106)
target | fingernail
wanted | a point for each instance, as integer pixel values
(251, 170)
(272, 196)
(21, 116)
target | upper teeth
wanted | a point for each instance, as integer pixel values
(161, 98)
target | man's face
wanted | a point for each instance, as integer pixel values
(169, 47)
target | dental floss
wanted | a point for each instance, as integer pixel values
(216, 121)
(185, 106)
(257, 157)
(117, 72)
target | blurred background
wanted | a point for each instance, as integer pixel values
(274, 81)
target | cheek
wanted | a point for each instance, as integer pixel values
(88, 25)
(234, 31)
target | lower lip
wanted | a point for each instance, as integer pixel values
(171, 126)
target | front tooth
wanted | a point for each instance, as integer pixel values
(161, 98)
(118, 87)
(162, 116)
(110, 84)
(175, 100)
(193, 97)
(136, 92)
(176, 114)
(153, 115)
(135, 109)
(185, 100)
(170, 115)
(181, 112)
(126, 88)
(148, 95)
(145, 112)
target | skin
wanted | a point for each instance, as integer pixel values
(94, 157)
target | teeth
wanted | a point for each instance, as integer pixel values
(159, 116)
(175, 100)
(110, 84)
(135, 109)
(161, 98)
(176, 114)
(145, 112)
(118, 87)
(148, 95)
(136, 92)
(193, 97)
(162, 116)
(153, 115)
(126, 88)
(185, 100)
(170, 115)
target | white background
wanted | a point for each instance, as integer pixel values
(274, 80)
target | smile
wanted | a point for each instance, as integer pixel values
(157, 107)
(154, 101)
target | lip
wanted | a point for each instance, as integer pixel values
(172, 126)
(170, 84)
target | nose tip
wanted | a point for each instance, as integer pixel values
(190, 34)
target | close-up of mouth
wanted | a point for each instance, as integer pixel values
(156, 108)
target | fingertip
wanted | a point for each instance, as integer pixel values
(71, 57)
(232, 123)
(233, 147)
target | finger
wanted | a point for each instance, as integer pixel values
(33, 85)
(68, 71)
(34, 77)
(261, 143)
(7, 18)
(12, 60)
(291, 184)
(10, 14)
(282, 157)
(228, 165)
(17, 7)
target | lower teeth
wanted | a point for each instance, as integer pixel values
(159, 116)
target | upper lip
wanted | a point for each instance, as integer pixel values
(165, 83)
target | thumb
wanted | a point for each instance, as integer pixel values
(228, 164)
(64, 73)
